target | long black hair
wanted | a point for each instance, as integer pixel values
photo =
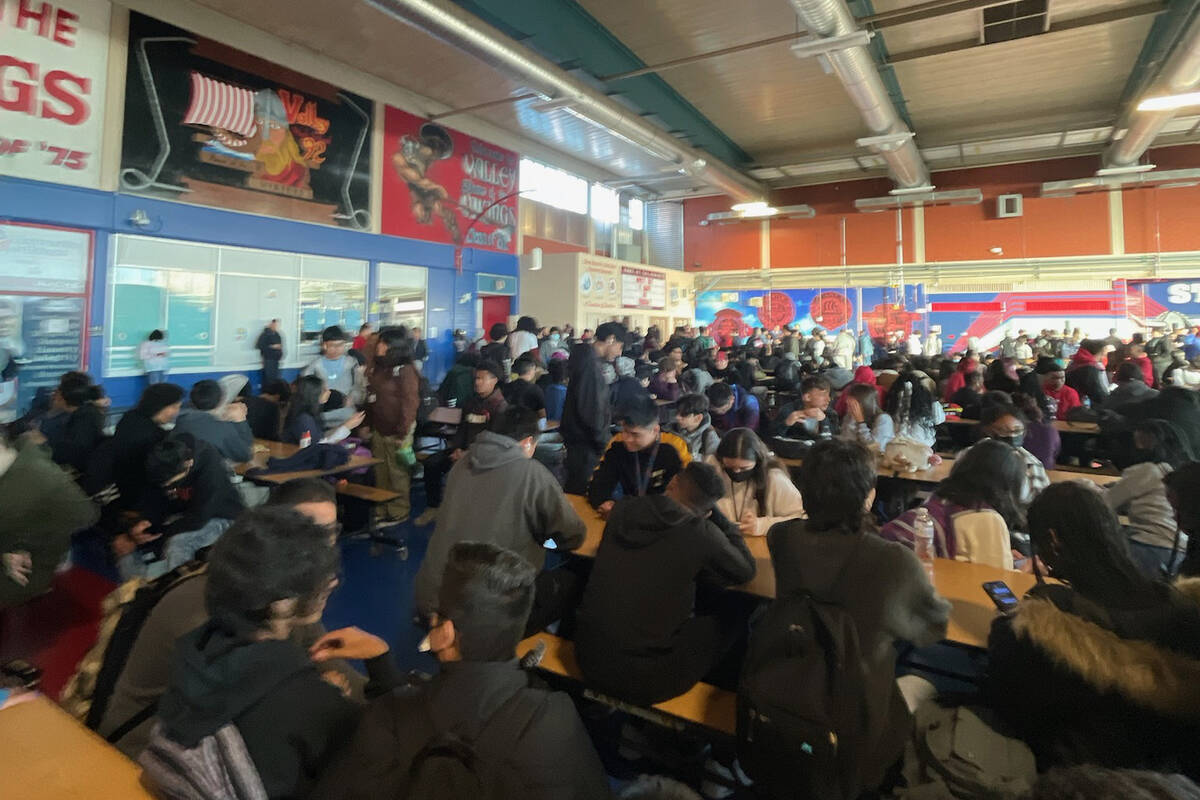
(744, 443)
(920, 409)
(1160, 442)
(992, 473)
(307, 398)
(1079, 537)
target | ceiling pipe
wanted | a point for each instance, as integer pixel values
(1180, 72)
(856, 69)
(449, 23)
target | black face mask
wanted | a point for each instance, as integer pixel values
(1015, 441)
(741, 476)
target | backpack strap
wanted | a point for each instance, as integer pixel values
(131, 723)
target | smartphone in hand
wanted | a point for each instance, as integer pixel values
(1001, 595)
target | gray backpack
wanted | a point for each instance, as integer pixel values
(218, 768)
(958, 755)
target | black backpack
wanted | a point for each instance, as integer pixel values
(450, 767)
(801, 715)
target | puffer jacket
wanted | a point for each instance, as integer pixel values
(393, 395)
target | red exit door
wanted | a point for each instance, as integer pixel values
(494, 308)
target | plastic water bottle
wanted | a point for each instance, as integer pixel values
(923, 540)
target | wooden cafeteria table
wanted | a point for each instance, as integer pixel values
(942, 471)
(1060, 425)
(265, 449)
(47, 754)
(959, 582)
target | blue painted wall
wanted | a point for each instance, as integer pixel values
(107, 213)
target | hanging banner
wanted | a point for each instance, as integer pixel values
(643, 288)
(444, 186)
(53, 63)
(211, 125)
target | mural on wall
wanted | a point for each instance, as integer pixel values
(444, 186)
(54, 62)
(957, 317)
(211, 125)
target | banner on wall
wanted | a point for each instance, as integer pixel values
(883, 310)
(240, 133)
(643, 288)
(599, 286)
(1172, 304)
(440, 185)
(53, 64)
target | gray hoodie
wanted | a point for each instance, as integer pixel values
(496, 494)
(701, 442)
(233, 440)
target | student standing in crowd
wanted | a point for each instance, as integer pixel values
(1141, 494)
(139, 430)
(529, 742)
(270, 348)
(42, 508)
(360, 341)
(639, 460)
(522, 391)
(393, 395)
(525, 506)
(555, 389)
(155, 356)
(585, 420)
(222, 426)
(479, 410)
(693, 425)
(523, 341)
(340, 373)
(1099, 667)
(833, 554)
(270, 573)
(639, 637)
(420, 349)
(758, 489)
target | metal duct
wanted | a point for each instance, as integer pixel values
(856, 69)
(449, 23)
(1180, 73)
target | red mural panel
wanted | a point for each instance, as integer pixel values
(444, 186)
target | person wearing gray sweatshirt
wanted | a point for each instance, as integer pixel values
(222, 426)
(525, 508)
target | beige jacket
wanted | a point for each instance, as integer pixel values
(783, 498)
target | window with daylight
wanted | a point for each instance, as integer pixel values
(637, 214)
(606, 204)
(553, 187)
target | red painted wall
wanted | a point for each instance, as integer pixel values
(1155, 219)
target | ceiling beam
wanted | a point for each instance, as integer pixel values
(1103, 18)
(887, 19)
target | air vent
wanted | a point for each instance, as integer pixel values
(1009, 21)
(1008, 205)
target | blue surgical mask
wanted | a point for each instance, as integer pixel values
(555, 338)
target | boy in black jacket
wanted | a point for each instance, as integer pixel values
(641, 459)
(638, 637)
(585, 417)
(528, 742)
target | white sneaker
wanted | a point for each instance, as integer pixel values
(428, 517)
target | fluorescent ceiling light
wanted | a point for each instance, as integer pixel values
(1170, 102)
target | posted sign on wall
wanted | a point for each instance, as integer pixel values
(643, 288)
(53, 61)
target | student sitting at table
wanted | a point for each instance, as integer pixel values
(264, 411)
(477, 413)
(924, 413)
(694, 426)
(1003, 421)
(222, 426)
(639, 460)
(189, 502)
(969, 397)
(973, 509)
(628, 388)
(833, 554)
(732, 406)
(809, 419)
(638, 636)
(527, 742)
(1041, 437)
(140, 428)
(665, 385)
(303, 426)
(1053, 380)
(526, 509)
(75, 426)
(1101, 667)
(864, 420)
(1157, 449)
(459, 383)
(758, 489)
(126, 715)
(271, 573)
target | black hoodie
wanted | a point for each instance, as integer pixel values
(290, 718)
(643, 584)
